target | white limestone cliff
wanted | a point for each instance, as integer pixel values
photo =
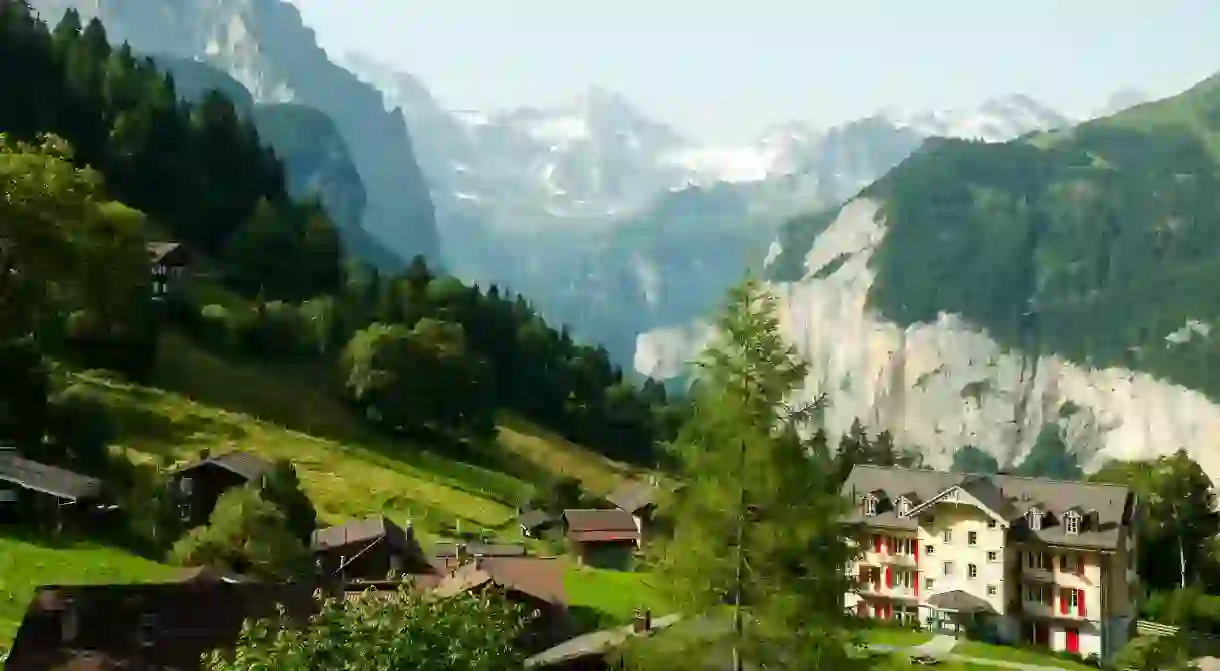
(943, 385)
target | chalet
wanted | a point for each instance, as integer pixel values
(170, 263)
(32, 492)
(448, 555)
(534, 522)
(536, 583)
(373, 549)
(637, 499)
(144, 626)
(200, 483)
(604, 537)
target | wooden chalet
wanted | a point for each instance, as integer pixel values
(536, 583)
(602, 537)
(200, 483)
(638, 499)
(145, 626)
(373, 549)
(40, 494)
(534, 522)
(170, 262)
(449, 555)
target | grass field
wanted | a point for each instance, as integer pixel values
(1018, 655)
(202, 401)
(205, 401)
(26, 564)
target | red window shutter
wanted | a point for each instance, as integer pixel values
(1080, 602)
(916, 578)
(915, 549)
(889, 576)
(876, 544)
(1063, 602)
(877, 610)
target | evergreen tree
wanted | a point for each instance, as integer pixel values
(758, 523)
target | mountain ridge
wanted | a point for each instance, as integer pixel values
(987, 294)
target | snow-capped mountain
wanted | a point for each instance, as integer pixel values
(615, 223)
(995, 120)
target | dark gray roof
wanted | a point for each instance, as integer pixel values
(960, 601)
(1106, 508)
(363, 531)
(449, 549)
(249, 466)
(47, 479)
(634, 496)
(596, 643)
(532, 519)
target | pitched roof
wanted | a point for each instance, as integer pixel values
(539, 577)
(47, 479)
(364, 531)
(159, 250)
(1010, 496)
(180, 621)
(960, 601)
(634, 496)
(533, 519)
(249, 466)
(608, 519)
(450, 549)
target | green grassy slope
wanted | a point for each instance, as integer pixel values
(27, 563)
(1094, 243)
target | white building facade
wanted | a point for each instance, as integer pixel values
(1014, 559)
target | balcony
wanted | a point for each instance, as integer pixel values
(905, 560)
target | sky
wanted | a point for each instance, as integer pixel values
(723, 71)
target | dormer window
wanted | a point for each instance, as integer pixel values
(1071, 522)
(870, 505)
(1034, 518)
(904, 507)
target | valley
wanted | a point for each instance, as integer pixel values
(379, 383)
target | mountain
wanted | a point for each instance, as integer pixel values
(615, 223)
(264, 45)
(995, 294)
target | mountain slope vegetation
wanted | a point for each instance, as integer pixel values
(1094, 243)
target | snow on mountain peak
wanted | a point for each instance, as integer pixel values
(996, 120)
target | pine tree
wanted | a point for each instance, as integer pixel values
(757, 524)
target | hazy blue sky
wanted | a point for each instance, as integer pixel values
(723, 70)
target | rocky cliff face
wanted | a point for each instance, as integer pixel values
(265, 46)
(991, 294)
(946, 384)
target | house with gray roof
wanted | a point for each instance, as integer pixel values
(34, 492)
(1045, 562)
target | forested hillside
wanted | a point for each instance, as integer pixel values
(414, 351)
(1096, 243)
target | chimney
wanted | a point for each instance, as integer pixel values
(69, 621)
(643, 621)
(478, 562)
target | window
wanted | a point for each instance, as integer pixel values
(904, 546)
(929, 583)
(993, 556)
(948, 568)
(148, 630)
(931, 550)
(904, 579)
(904, 507)
(870, 505)
(1034, 518)
(991, 590)
(1073, 603)
(972, 538)
(8, 495)
(991, 523)
(1071, 523)
(947, 536)
(1037, 560)
(972, 571)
